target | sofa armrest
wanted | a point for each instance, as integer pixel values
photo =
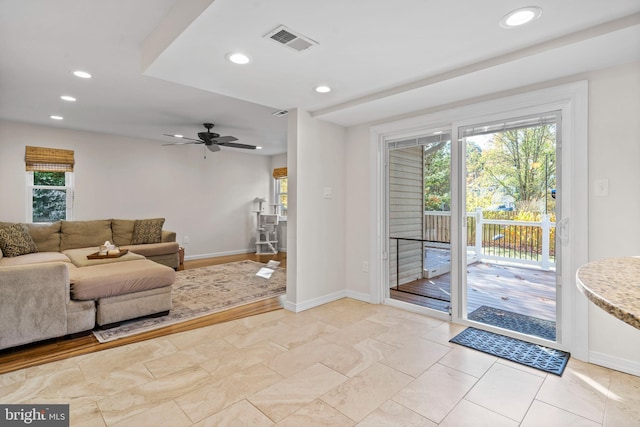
(168, 236)
(33, 303)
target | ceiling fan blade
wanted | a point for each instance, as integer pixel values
(184, 143)
(184, 137)
(224, 139)
(236, 145)
(212, 147)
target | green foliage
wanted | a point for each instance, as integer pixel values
(521, 162)
(49, 205)
(49, 178)
(437, 177)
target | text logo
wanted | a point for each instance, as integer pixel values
(34, 415)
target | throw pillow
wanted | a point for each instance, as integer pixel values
(147, 231)
(15, 240)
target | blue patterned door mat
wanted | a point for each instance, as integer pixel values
(515, 322)
(533, 355)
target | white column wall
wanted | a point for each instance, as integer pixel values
(316, 236)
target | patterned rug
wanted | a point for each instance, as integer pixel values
(202, 291)
(515, 322)
(535, 356)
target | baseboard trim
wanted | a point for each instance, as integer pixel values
(360, 296)
(218, 254)
(315, 302)
(617, 363)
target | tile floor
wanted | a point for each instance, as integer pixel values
(345, 363)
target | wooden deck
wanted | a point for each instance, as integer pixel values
(517, 289)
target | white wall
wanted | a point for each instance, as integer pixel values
(208, 200)
(358, 204)
(614, 228)
(614, 220)
(317, 224)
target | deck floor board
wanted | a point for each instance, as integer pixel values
(522, 290)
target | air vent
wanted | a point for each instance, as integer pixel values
(289, 38)
(280, 113)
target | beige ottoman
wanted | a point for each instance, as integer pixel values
(123, 290)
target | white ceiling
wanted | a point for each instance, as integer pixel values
(159, 65)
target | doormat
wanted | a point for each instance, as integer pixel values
(515, 322)
(533, 355)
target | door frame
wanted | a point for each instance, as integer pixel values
(572, 100)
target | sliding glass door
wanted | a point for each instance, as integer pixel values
(510, 190)
(419, 220)
(499, 265)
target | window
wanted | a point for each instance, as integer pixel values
(281, 186)
(49, 184)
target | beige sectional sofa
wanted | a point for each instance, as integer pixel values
(50, 288)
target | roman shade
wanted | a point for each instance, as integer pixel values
(280, 173)
(48, 159)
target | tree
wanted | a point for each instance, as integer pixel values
(522, 162)
(49, 204)
(437, 176)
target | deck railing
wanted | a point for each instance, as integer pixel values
(521, 242)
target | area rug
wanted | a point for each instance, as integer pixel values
(515, 322)
(207, 290)
(535, 356)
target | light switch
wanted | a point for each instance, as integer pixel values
(601, 187)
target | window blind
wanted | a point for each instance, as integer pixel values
(502, 126)
(422, 140)
(48, 159)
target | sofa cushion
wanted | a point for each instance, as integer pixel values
(154, 249)
(34, 258)
(147, 231)
(15, 240)
(45, 236)
(122, 231)
(100, 281)
(84, 234)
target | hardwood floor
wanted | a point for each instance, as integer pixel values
(63, 348)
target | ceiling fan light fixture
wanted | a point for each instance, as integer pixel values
(521, 16)
(82, 74)
(238, 58)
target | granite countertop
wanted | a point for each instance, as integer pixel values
(614, 286)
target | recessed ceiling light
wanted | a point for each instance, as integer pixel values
(520, 16)
(258, 148)
(82, 74)
(238, 58)
(68, 98)
(178, 136)
(54, 117)
(323, 89)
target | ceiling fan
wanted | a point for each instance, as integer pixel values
(211, 140)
